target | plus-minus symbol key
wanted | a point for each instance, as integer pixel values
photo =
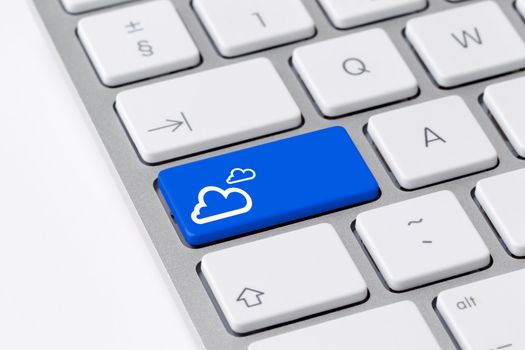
(133, 27)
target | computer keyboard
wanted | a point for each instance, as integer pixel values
(340, 174)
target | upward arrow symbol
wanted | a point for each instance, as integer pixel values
(250, 297)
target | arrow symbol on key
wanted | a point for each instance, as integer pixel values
(174, 124)
(251, 297)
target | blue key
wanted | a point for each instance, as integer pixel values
(263, 186)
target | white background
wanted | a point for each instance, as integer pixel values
(77, 270)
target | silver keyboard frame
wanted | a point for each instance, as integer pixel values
(182, 262)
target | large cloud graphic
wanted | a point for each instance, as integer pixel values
(196, 214)
(240, 175)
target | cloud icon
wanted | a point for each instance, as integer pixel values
(224, 209)
(240, 175)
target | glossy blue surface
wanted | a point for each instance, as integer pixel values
(263, 186)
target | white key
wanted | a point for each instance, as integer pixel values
(505, 102)
(242, 26)
(350, 13)
(467, 43)
(396, 326)
(283, 278)
(78, 6)
(487, 315)
(350, 73)
(431, 142)
(520, 5)
(137, 42)
(422, 240)
(206, 110)
(503, 200)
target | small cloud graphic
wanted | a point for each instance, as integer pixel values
(196, 214)
(240, 175)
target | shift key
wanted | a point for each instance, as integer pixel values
(267, 185)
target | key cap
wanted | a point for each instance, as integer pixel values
(431, 142)
(350, 73)
(137, 42)
(520, 5)
(267, 185)
(206, 110)
(242, 26)
(467, 43)
(487, 314)
(310, 272)
(78, 6)
(432, 230)
(503, 200)
(396, 326)
(350, 13)
(505, 102)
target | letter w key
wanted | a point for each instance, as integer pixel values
(467, 43)
(466, 36)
